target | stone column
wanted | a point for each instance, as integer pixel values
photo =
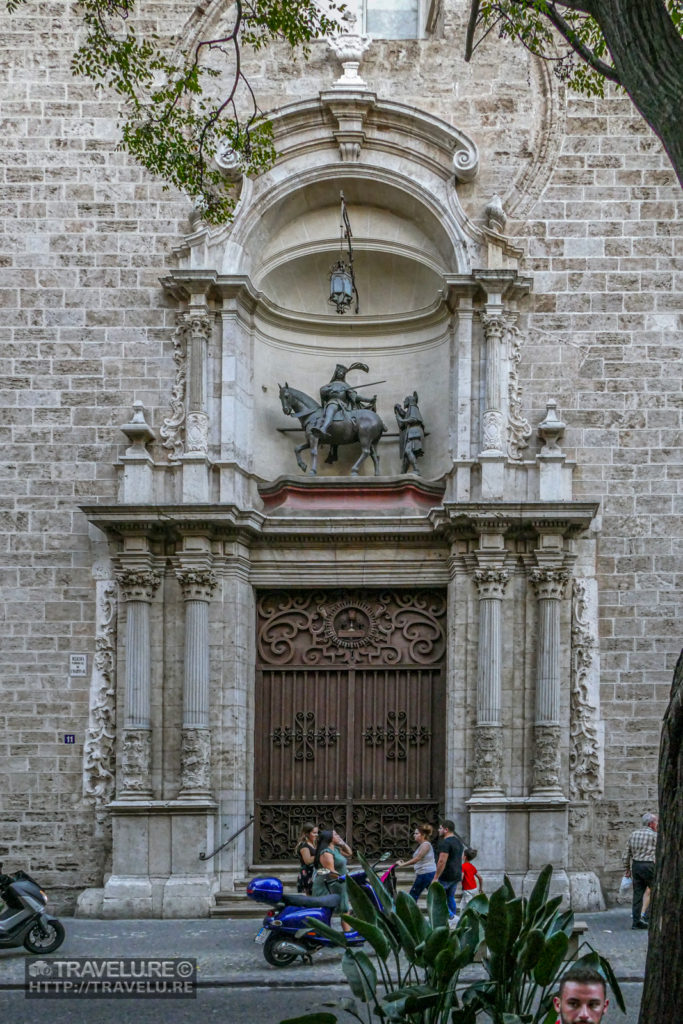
(549, 585)
(492, 455)
(488, 742)
(195, 767)
(197, 325)
(138, 586)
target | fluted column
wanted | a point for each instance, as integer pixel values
(138, 586)
(488, 741)
(195, 763)
(549, 585)
(197, 324)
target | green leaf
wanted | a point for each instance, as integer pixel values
(363, 906)
(551, 959)
(360, 974)
(497, 922)
(437, 905)
(383, 895)
(372, 933)
(437, 941)
(532, 949)
(539, 893)
(338, 937)
(312, 1018)
(405, 938)
(411, 916)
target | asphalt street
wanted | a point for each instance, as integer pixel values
(235, 985)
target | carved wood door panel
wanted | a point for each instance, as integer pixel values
(350, 710)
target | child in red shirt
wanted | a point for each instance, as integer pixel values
(471, 879)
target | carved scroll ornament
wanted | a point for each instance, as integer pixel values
(584, 754)
(519, 429)
(99, 754)
(171, 430)
(385, 628)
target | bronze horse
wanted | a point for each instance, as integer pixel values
(360, 425)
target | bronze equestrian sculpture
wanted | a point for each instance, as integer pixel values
(343, 421)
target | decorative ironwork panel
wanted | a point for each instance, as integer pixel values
(396, 735)
(381, 827)
(278, 826)
(351, 628)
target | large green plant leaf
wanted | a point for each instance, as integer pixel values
(531, 951)
(361, 903)
(551, 959)
(539, 893)
(437, 905)
(412, 917)
(372, 933)
(312, 1018)
(410, 947)
(338, 937)
(360, 974)
(497, 923)
(383, 895)
(433, 945)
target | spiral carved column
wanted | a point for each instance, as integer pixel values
(549, 585)
(138, 587)
(488, 740)
(195, 765)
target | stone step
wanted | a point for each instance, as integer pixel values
(236, 904)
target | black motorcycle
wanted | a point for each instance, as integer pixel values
(23, 920)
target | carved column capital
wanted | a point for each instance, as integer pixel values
(197, 584)
(549, 583)
(491, 583)
(197, 324)
(494, 326)
(488, 757)
(138, 584)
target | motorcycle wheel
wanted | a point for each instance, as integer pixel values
(275, 953)
(44, 939)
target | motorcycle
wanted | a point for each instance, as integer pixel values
(287, 932)
(23, 920)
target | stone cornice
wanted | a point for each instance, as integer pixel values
(474, 518)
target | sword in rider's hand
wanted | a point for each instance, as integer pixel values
(357, 387)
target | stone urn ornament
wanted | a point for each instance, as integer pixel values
(349, 46)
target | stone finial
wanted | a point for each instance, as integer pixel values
(349, 46)
(138, 432)
(496, 218)
(551, 429)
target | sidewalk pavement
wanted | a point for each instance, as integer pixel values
(227, 955)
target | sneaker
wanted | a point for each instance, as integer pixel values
(639, 925)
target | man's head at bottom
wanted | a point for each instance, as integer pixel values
(582, 996)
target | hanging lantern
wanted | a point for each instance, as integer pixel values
(342, 280)
(341, 286)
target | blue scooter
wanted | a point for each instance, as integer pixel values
(287, 932)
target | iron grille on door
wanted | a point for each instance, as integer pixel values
(349, 716)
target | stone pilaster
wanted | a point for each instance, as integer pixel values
(488, 743)
(197, 586)
(549, 585)
(138, 586)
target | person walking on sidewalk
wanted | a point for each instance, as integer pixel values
(448, 865)
(471, 879)
(422, 861)
(639, 863)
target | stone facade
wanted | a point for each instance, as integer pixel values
(562, 289)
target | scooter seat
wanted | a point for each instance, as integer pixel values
(301, 900)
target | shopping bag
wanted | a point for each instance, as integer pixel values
(624, 893)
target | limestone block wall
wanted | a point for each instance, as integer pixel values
(86, 329)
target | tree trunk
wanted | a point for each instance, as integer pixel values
(663, 989)
(647, 52)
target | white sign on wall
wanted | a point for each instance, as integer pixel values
(78, 664)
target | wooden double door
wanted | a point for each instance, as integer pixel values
(350, 708)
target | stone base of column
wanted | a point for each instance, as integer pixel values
(196, 486)
(586, 891)
(492, 475)
(156, 867)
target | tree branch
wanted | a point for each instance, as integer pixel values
(568, 33)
